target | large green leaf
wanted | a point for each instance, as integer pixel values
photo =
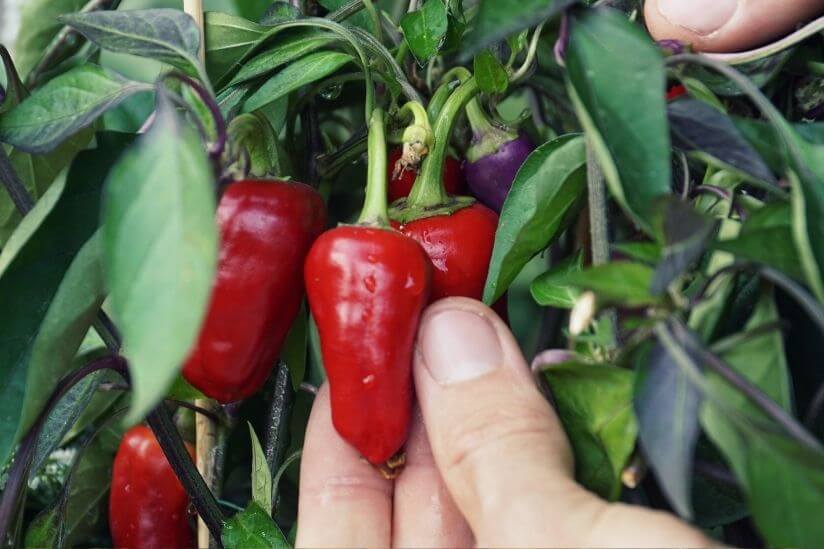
(550, 290)
(70, 314)
(281, 54)
(304, 71)
(667, 404)
(38, 27)
(620, 282)
(253, 529)
(33, 265)
(498, 19)
(594, 402)
(166, 35)
(228, 38)
(626, 124)
(425, 29)
(160, 250)
(490, 73)
(65, 105)
(543, 200)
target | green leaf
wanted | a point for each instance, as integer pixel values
(253, 529)
(283, 11)
(253, 134)
(38, 27)
(498, 19)
(647, 252)
(594, 402)
(281, 54)
(685, 233)
(305, 70)
(425, 29)
(807, 199)
(63, 106)
(160, 250)
(764, 139)
(33, 266)
(182, 390)
(228, 38)
(166, 35)
(627, 125)
(549, 291)
(70, 314)
(620, 282)
(37, 172)
(667, 403)
(544, 198)
(764, 237)
(490, 73)
(783, 481)
(710, 135)
(261, 475)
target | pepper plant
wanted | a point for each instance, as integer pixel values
(653, 213)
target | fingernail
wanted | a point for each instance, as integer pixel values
(459, 345)
(699, 16)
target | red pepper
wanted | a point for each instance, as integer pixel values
(267, 229)
(367, 285)
(401, 181)
(460, 247)
(676, 91)
(148, 507)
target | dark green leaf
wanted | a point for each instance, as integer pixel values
(69, 317)
(253, 529)
(666, 403)
(65, 105)
(708, 134)
(38, 27)
(37, 172)
(627, 124)
(685, 233)
(305, 70)
(425, 29)
(490, 73)
(160, 250)
(765, 140)
(764, 238)
(261, 475)
(281, 54)
(252, 133)
(498, 19)
(228, 38)
(32, 267)
(543, 200)
(166, 35)
(595, 406)
(619, 282)
(548, 289)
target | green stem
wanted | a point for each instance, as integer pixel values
(420, 130)
(443, 92)
(487, 138)
(376, 20)
(428, 190)
(374, 207)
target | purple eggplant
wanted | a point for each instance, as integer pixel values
(493, 158)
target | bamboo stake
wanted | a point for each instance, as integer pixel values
(205, 428)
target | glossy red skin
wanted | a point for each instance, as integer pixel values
(148, 507)
(366, 288)
(401, 185)
(459, 246)
(266, 230)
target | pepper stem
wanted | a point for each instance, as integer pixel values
(374, 207)
(487, 138)
(428, 190)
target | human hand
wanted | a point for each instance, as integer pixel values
(727, 25)
(487, 460)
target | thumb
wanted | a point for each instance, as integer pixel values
(493, 435)
(727, 25)
(500, 447)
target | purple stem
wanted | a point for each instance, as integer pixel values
(563, 39)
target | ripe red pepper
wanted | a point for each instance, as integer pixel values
(148, 507)
(267, 229)
(367, 285)
(401, 181)
(676, 91)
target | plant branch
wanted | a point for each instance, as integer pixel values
(277, 432)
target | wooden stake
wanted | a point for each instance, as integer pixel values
(195, 9)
